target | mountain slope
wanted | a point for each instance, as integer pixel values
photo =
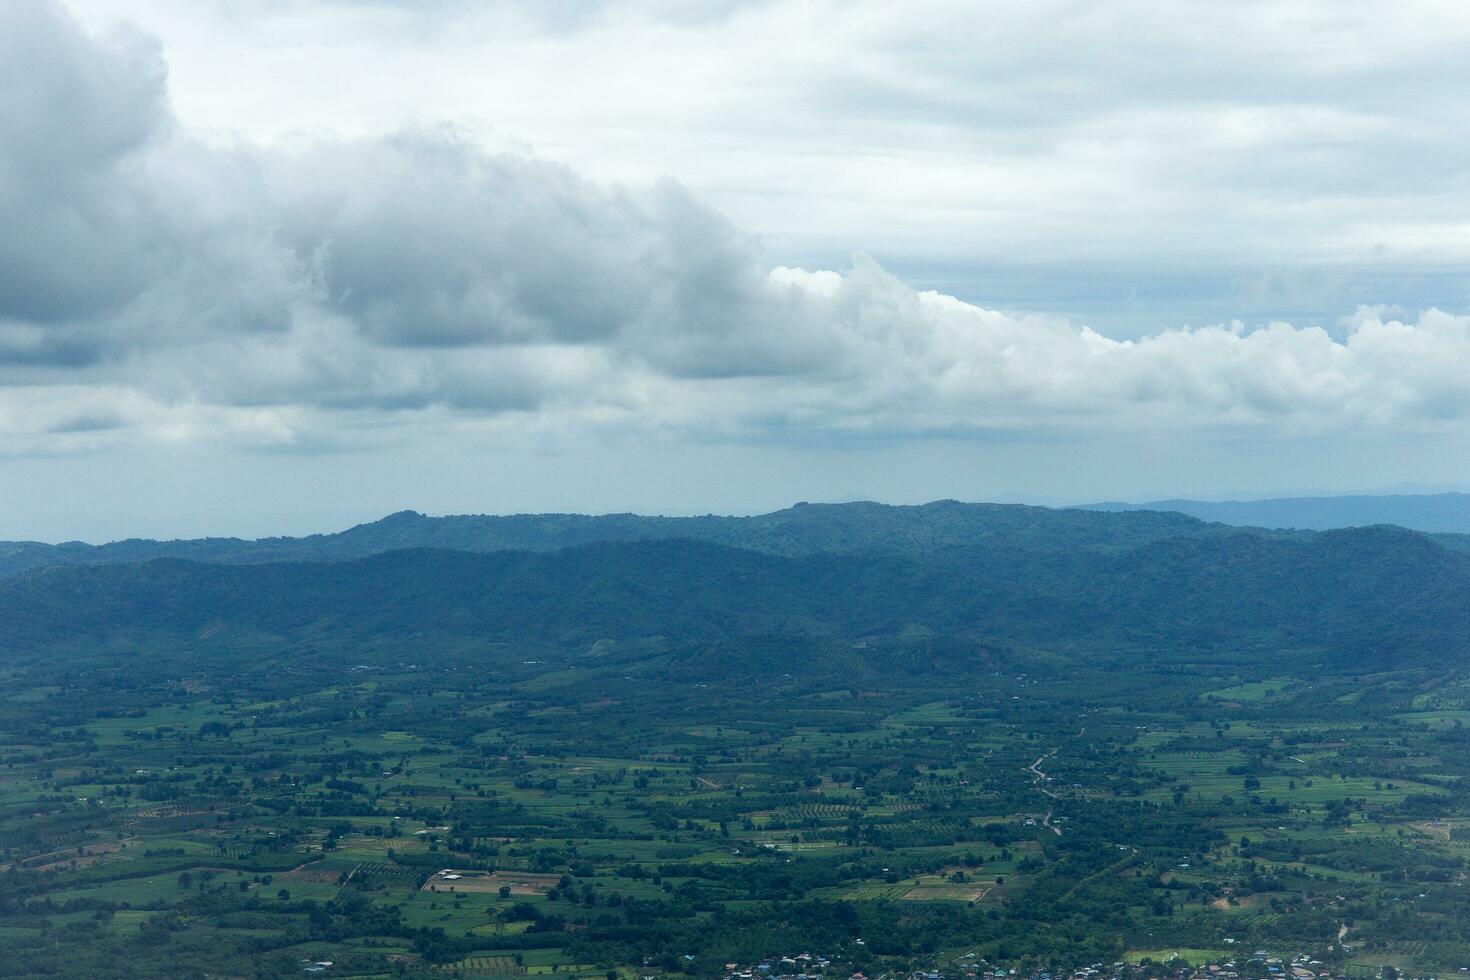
(1376, 594)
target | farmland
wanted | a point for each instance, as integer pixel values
(411, 819)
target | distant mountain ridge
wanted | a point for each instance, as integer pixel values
(1443, 513)
(804, 529)
(1377, 595)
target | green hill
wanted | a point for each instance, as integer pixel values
(1379, 594)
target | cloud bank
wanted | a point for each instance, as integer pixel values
(322, 292)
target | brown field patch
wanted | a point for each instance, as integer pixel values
(479, 882)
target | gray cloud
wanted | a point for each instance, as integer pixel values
(425, 240)
(73, 114)
(156, 286)
(119, 233)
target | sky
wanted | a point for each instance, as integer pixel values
(279, 267)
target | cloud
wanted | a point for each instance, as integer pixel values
(72, 111)
(157, 286)
(119, 233)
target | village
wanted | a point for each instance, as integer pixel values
(1259, 965)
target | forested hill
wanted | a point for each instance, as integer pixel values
(801, 530)
(1357, 597)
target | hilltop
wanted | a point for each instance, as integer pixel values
(804, 529)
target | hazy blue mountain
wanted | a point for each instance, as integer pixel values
(1439, 512)
(801, 530)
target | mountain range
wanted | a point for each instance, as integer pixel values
(964, 578)
(800, 530)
